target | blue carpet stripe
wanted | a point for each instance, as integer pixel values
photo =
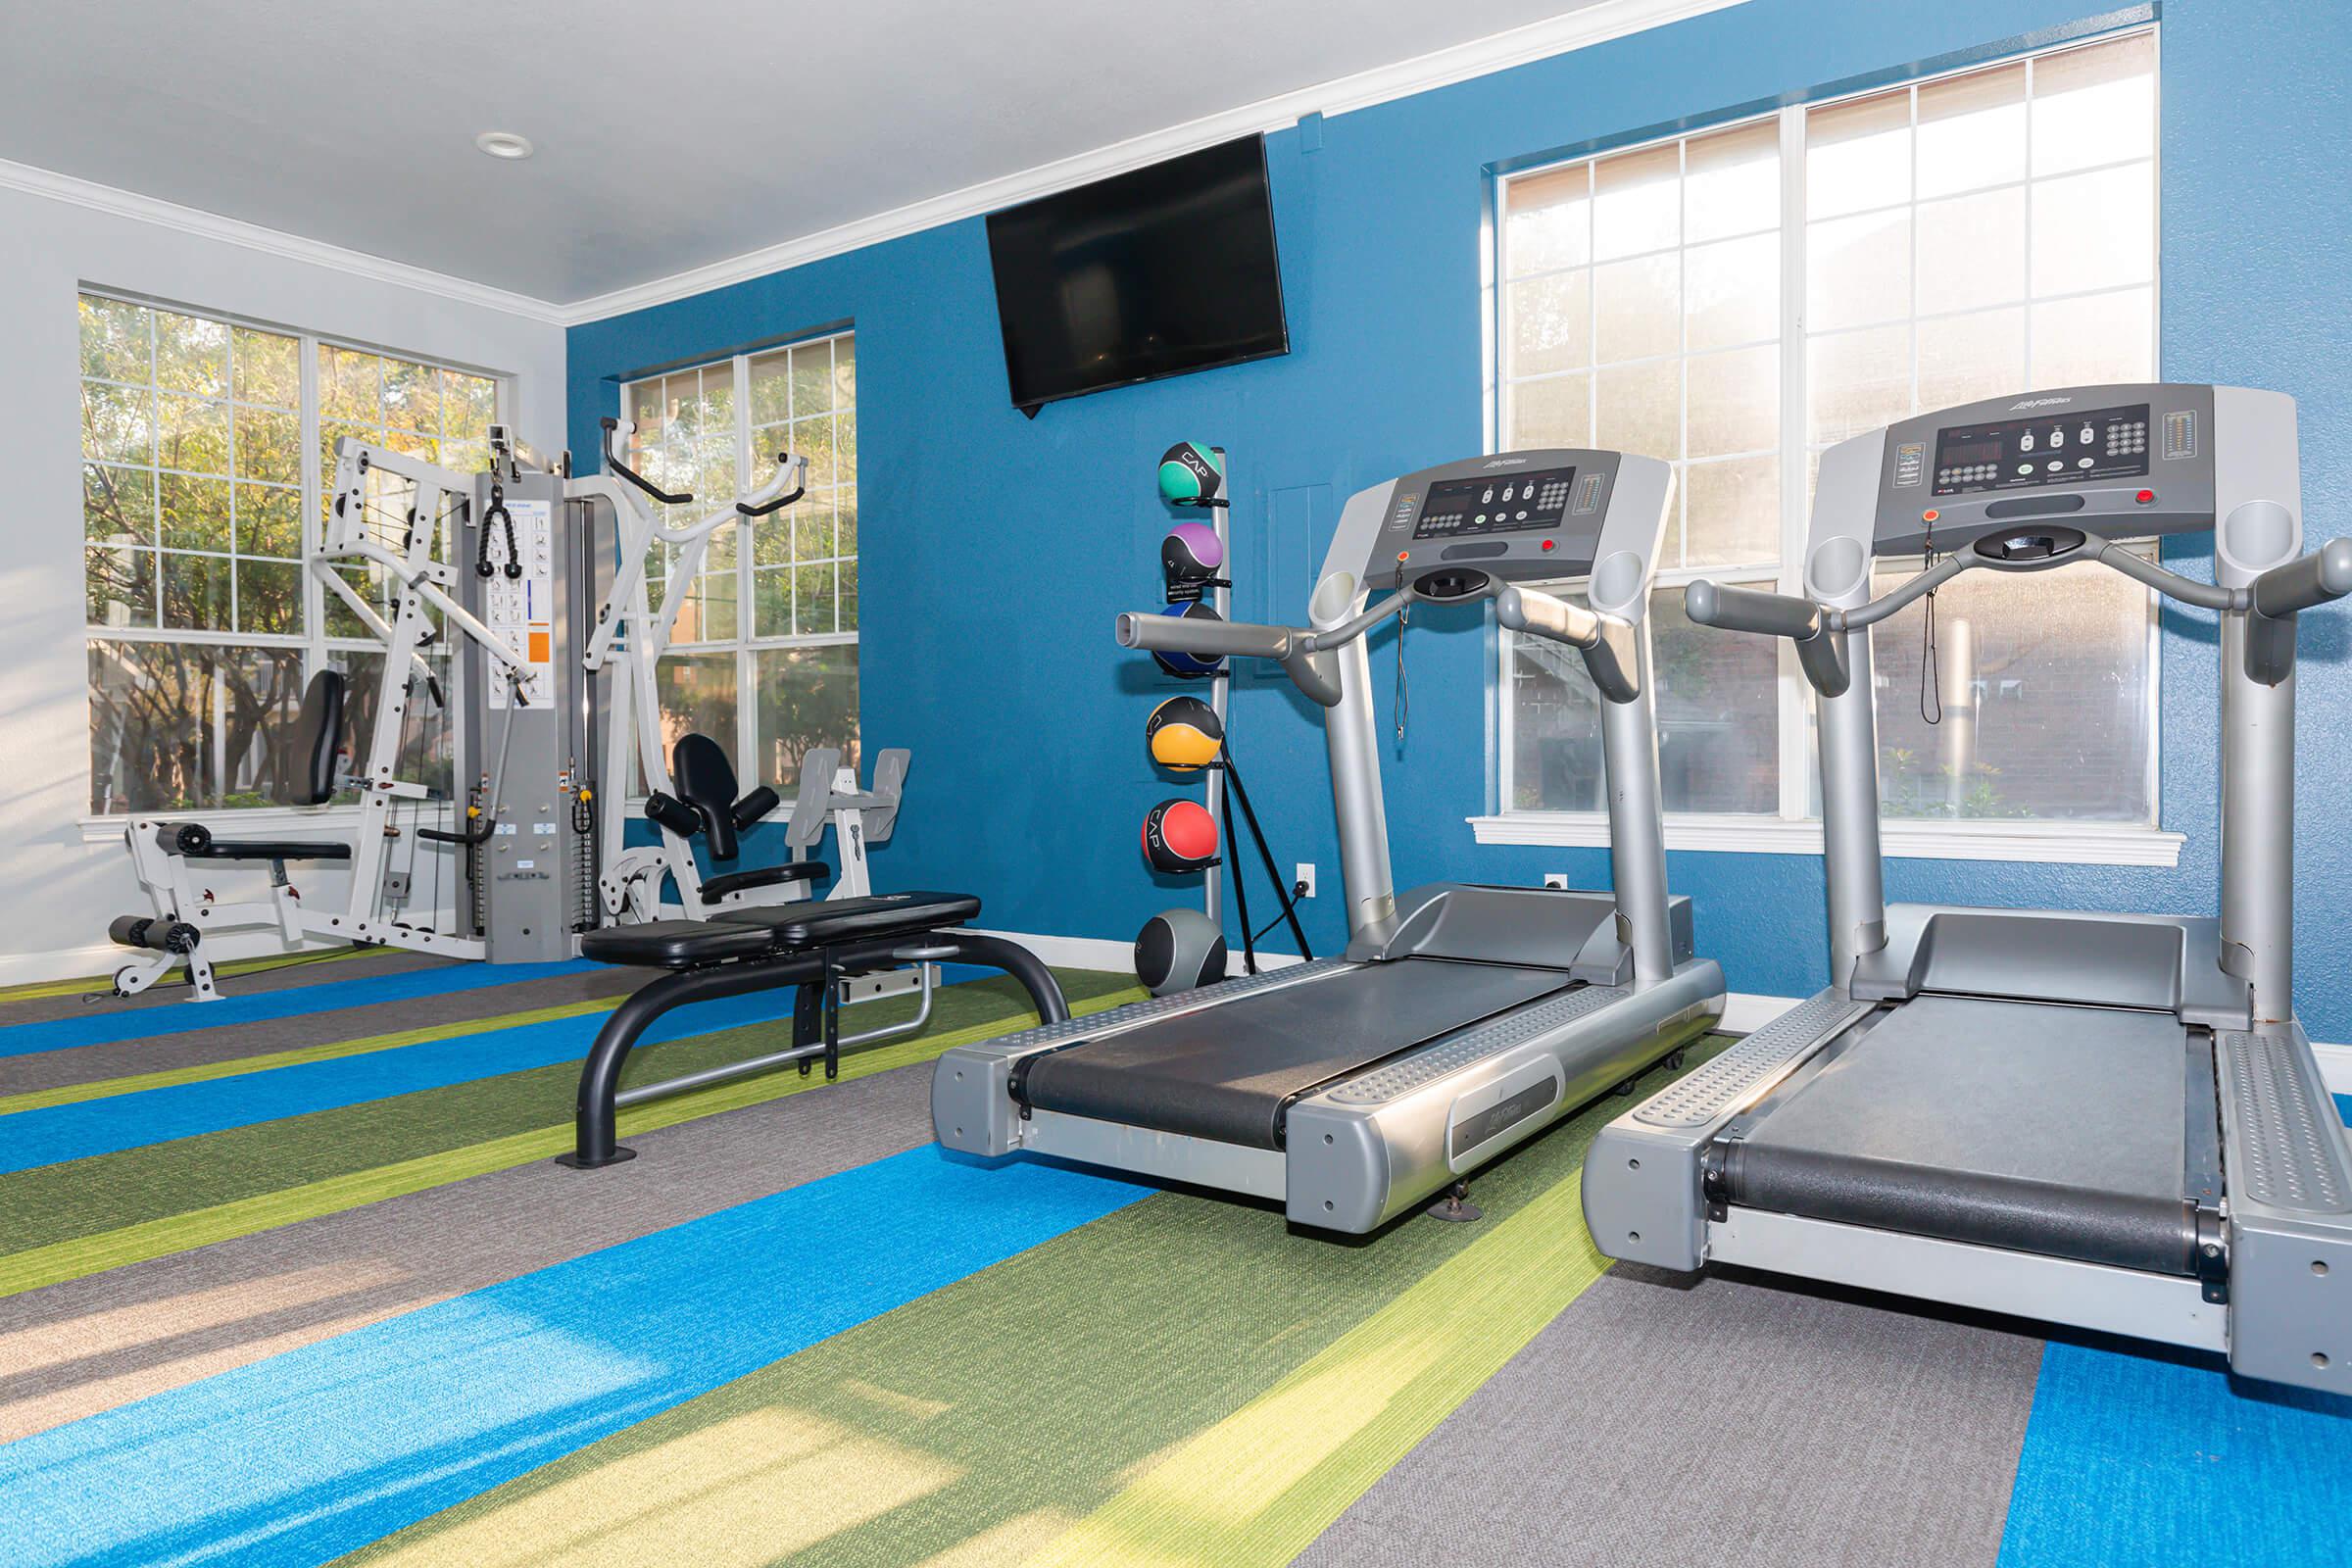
(311, 1454)
(77, 1131)
(102, 1026)
(2159, 1457)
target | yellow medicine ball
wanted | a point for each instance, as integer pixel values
(1184, 733)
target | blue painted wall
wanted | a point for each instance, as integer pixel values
(997, 549)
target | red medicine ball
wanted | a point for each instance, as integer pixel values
(1180, 835)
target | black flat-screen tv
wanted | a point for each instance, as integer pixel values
(1154, 273)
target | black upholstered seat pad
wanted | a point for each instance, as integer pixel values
(733, 935)
(273, 850)
(818, 922)
(768, 876)
(676, 944)
(1226, 1071)
(2021, 1125)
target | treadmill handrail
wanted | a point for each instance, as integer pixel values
(2268, 604)
(1605, 641)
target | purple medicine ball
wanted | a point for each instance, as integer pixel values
(1191, 552)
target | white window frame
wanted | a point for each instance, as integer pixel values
(313, 641)
(1794, 828)
(745, 644)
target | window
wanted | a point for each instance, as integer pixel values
(774, 612)
(1740, 300)
(198, 509)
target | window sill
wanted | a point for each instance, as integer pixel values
(2048, 842)
(251, 821)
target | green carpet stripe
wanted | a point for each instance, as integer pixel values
(113, 1191)
(1185, 1381)
(1259, 1486)
(89, 984)
(37, 1266)
(202, 1072)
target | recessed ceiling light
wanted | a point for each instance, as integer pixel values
(504, 144)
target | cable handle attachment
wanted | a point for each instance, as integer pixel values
(763, 501)
(497, 515)
(613, 462)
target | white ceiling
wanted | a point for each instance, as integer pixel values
(670, 135)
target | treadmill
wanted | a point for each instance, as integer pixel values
(1462, 1019)
(2110, 1121)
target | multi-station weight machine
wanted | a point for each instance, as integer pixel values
(475, 564)
(531, 581)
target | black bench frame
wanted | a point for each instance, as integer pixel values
(817, 972)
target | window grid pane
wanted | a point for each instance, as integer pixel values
(779, 596)
(191, 470)
(1962, 237)
(424, 410)
(194, 535)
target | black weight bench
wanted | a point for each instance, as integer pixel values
(812, 947)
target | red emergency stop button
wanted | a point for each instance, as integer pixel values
(1929, 516)
(2144, 496)
(1548, 544)
(1405, 554)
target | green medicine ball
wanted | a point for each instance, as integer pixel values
(1190, 473)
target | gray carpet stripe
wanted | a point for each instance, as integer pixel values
(81, 1064)
(88, 1344)
(1661, 1423)
(174, 993)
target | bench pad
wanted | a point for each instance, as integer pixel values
(770, 876)
(733, 936)
(675, 944)
(818, 923)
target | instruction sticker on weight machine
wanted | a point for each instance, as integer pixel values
(520, 609)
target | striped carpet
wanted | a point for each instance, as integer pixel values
(307, 1286)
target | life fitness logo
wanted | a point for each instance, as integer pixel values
(2039, 402)
(1507, 463)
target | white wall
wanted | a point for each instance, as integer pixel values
(57, 890)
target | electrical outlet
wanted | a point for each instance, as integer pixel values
(1305, 873)
(1557, 879)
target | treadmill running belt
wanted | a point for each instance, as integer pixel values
(2038, 1128)
(1226, 1071)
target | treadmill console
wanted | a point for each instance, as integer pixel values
(1519, 516)
(2116, 461)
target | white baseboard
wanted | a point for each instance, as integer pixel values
(1072, 953)
(2335, 1066)
(99, 960)
(1109, 953)
(60, 963)
(1747, 1011)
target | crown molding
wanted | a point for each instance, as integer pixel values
(270, 241)
(1557, 35)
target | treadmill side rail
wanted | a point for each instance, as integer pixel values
(1375, 1145)
(2290, 1164)
(1642, 1194)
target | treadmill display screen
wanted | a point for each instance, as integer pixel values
(2046, 449)
(1458, 508)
